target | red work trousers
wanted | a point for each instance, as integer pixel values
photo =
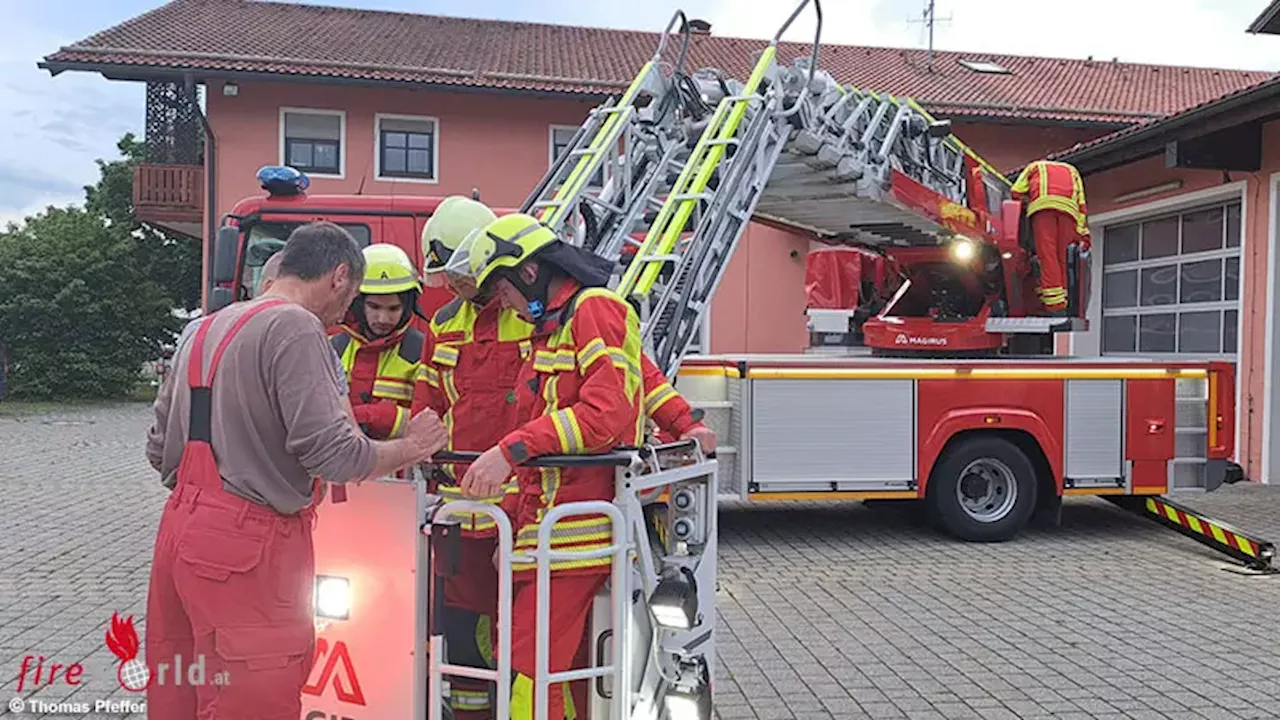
(570, 609)
(1053, 232)
(231, 587)
(473, 590)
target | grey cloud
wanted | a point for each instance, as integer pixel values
(22, 189)
(54, 129)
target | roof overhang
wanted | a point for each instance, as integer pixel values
(128, 72)
(1225, 135)
(972, 112)
(1268, 23)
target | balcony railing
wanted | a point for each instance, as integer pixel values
(169, 195)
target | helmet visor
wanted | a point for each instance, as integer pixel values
(459, 263)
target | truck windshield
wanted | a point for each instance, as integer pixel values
(266, 238)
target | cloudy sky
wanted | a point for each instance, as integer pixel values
(52, 129)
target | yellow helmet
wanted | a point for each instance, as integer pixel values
(504, 243)
(387, 271)
(455, 217)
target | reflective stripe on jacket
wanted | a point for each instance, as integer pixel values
(581, 393)
(381, 374)
(473, 355)
(1054, 186)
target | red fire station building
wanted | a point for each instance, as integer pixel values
(1181, 164)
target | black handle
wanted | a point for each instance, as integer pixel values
(600, 641)
(617, 458)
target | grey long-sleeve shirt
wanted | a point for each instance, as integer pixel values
(273, 430)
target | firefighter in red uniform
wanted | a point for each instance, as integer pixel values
(473, 352)
(475, 349)
(380, 353)
(1058, 218)
(580, 392)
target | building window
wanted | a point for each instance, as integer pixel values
(408, 148)
(311, 140)
(561, 135)
(1171, 284)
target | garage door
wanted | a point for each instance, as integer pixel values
(1171, 288)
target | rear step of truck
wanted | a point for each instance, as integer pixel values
(1255, 554)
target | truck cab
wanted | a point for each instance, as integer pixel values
(257, 227)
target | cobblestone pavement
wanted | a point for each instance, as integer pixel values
(836, 611)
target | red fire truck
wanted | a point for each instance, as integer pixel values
(959, 401)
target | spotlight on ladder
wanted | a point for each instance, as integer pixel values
(675, 601)
(689, 697)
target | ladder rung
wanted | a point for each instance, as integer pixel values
(683, 197)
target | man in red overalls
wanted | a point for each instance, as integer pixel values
(580, 392)
(233, 572)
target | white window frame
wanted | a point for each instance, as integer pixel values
(342, 138)
(1091, 342)
(1269, 351)
(551, 151)
(435, 148)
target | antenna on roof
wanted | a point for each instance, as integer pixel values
(929, 19)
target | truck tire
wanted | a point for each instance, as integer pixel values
(983, 489)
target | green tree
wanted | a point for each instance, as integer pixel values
(78, 312)
(170, 260)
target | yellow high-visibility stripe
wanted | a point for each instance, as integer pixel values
(401, 422)
(658, 397)
(662, 235)
(580, 177)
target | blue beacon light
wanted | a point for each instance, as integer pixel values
(282, 180)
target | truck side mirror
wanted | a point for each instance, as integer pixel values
(225, 249)
(219, 298)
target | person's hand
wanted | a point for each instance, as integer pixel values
(486, 475)
(705, 437)
(427, 434)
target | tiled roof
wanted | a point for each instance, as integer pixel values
(1147, 128)
(213, 37)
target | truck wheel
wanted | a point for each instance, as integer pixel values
(983, 490)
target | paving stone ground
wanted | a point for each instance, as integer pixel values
(836, 611)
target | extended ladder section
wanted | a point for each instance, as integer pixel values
(686, 160)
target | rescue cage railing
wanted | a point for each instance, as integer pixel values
(634, 488)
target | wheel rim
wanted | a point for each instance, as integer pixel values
(987, 490)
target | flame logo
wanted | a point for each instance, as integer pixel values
(122, 639)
